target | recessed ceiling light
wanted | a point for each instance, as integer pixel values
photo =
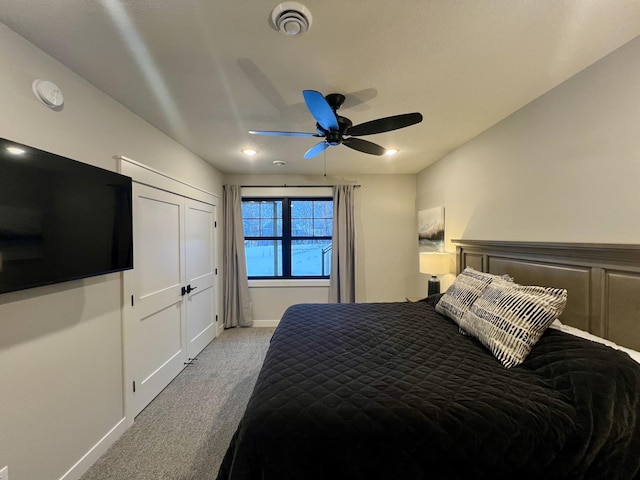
(391, 151)
(249, 151)
(16, 151)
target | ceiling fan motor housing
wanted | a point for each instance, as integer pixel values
(291, 18)
(343, 124)
(334, 137)
(335, 100)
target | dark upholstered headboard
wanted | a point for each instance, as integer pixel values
(602, 280)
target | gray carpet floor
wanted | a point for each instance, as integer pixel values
(184, 432)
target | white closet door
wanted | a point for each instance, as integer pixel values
(159, 326)
(200, 271)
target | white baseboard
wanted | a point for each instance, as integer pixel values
(266, 323)
(92, 456)
(220, 330)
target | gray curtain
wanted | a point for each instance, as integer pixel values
(236, 307)
(342, 283)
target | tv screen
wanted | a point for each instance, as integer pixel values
(60, 219)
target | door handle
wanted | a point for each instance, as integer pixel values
(187, 289)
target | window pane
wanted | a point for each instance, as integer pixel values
(262, 218)
(270, 228)
(323, 228)
(301, 209)
(250, 210)
(251, 227)
(264, 258)
(310, 257)
(271, 209)
(323, 209)
(302, 228)
(311, 218)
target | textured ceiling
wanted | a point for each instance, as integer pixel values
(207, 72)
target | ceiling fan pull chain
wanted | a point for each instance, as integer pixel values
(325, 163)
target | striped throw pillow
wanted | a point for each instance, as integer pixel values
(466, 288)
(509, 318)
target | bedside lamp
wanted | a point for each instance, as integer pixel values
(434, 263)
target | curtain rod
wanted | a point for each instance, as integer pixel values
(296, 186)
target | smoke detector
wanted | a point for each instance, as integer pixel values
(291, 18)
(48, 93)
(279, 163)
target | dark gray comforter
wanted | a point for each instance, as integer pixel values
(393, 391)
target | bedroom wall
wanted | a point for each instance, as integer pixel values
(387, 245)
(564, 168)
(61, 346)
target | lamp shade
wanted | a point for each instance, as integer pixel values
(434, 263)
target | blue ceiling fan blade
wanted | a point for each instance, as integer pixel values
(320, 109)
(283, 134)
(316, 150)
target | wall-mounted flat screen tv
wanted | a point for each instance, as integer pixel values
(60, 219)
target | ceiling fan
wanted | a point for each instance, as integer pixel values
(337, 130)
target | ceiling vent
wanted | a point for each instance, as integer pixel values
(291, 19)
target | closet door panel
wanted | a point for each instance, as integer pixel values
(158, 329)
(200, 275)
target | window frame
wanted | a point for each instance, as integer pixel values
(287, 236)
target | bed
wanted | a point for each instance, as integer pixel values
(395, 391)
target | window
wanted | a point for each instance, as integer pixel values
(287, 237)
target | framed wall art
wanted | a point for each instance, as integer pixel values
(431, 228)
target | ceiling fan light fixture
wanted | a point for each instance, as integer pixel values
(291, 19)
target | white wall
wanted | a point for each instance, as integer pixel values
(387, 255)
(387, 243)
(60, 346)
(564, 168)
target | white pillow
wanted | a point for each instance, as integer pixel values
(509, 319)
(466, 288)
